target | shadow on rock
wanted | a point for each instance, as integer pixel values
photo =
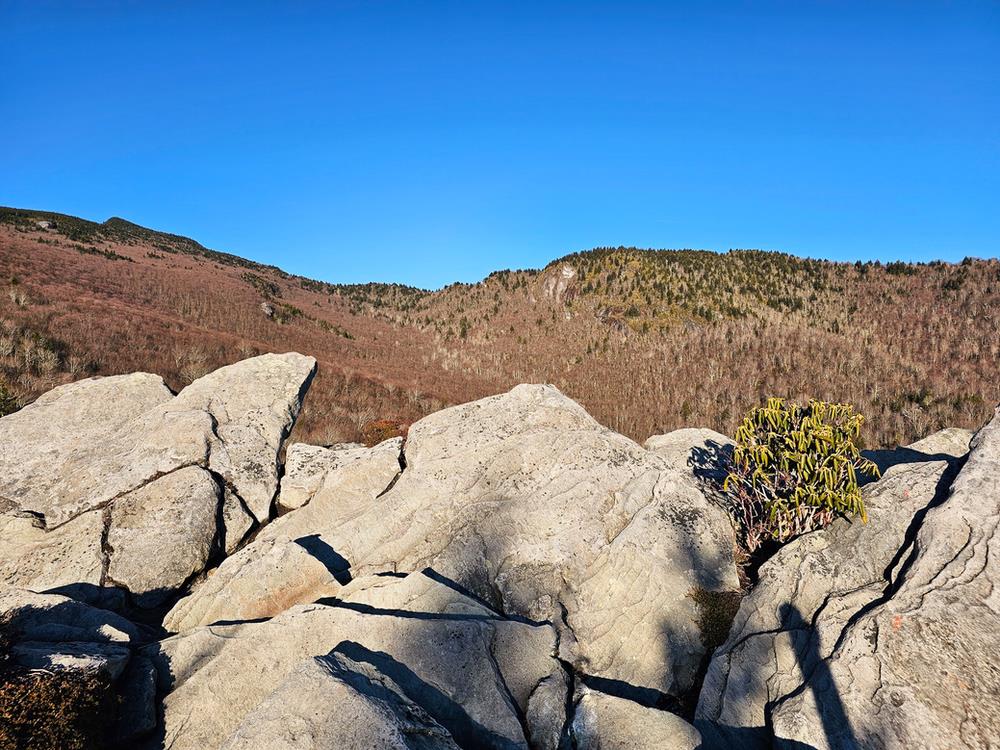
(836, 725)
(886, 459)
(466, 731)
(338, 566)
(710, 462)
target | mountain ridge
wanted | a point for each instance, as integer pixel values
(648, 340)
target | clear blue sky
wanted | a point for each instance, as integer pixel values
(437, 141)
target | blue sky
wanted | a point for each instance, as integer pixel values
(433, 142)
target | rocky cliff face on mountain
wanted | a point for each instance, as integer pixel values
(512, 575)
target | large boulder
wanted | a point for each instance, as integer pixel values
(81, 445)
(306, 467)
(917, 666)
(67, 557)
(816, 588)
(177, 512)
(291, 560)
(527, 502)
(117, 483)
(336, 702)
(387, 643)
(253, 405)
(702, 452)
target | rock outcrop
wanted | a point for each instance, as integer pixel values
(604, 722)
(393, 642)
(115, 483)
(51, 632)
(828, 597)
(917, 666)
(528, 503)
(306, 466)
(291, 560)
(513, 575)
(693, 450)
(334, 701)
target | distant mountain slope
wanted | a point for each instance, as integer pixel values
(646, 340)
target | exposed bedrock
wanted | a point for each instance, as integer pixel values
(882, 634)
(513, 575)
(528, 503)
(114, 484)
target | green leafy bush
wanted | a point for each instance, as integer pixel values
(795, 468)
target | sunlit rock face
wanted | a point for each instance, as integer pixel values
(115, 483)
(527, 502)
(511, 575)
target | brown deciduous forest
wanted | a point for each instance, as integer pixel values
(646, 340)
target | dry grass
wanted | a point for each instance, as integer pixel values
(62, 710)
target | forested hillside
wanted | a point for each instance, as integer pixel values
(646, 340)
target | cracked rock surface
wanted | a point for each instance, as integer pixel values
(919, 668)
(291, 559)
(116, 482)
(414, 640)
(530, 504)
(514, 575)
(827, 592)
(177, 512)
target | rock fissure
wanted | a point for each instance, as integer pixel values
(910, 535)
(505, 690)
(106, 548)
(569, 706)
(392, 483)
(109, 503)
(910, 548)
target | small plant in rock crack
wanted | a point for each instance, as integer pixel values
(794, 469)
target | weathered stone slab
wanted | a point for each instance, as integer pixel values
(306, 466)
(526, 501)
(917, 667)
(97, 477)
(605, 722)
(469, 668)
(162, 533)
(816, 586)
(335, 702)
